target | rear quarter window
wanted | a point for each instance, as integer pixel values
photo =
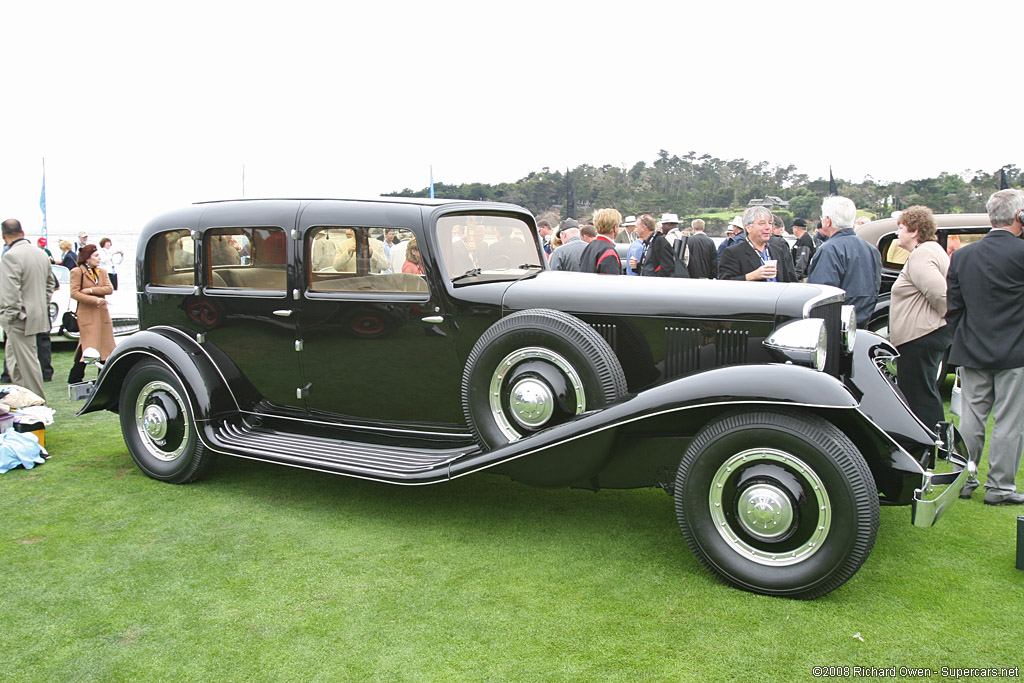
(171, 259)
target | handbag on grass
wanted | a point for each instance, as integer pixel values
(955, 398)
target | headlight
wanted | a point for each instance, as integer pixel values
(53, 310)
(802, 342)
(849, 326)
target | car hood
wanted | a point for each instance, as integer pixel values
(663, 297)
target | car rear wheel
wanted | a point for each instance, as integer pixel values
(535, 369)
(158, 427)
(777, 503)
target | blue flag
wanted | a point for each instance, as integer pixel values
(42, 199)
(431, 182)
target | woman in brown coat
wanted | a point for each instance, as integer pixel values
(89, 287)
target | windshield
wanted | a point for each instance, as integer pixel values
(483, 248)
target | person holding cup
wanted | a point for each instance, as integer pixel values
(756, 259)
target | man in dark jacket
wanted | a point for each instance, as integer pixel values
(803, 250)
(703, 257)
(845, 260)
(755, 259)
(656, 259)
(985, 312)
(778, 237)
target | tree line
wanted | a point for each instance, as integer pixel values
(692, 186)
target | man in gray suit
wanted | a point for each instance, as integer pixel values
(25, 288)
(985, 312)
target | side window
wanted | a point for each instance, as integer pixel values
(893, 255)
(956, 240)
(246, 258)
(171, 258)
(352, 259)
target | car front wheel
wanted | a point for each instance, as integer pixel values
(158, 427)
(535, 369)
(777, 503)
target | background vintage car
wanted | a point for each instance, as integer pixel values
(285, 331)
(955, 230)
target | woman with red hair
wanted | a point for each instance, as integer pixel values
(90, 286)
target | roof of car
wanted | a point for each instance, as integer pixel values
(871, 232)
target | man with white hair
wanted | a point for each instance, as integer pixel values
(845, 260)
(756, 259)
(985, 312)
(567, 256)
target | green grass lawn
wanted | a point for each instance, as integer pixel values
(261, 572)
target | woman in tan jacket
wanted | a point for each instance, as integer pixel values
(89, 287)
(917, 323)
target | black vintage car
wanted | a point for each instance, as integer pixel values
(415, 341)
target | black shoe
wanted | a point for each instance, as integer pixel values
(1008, 499)
(967, 490)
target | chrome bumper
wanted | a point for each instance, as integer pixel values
(929, 505)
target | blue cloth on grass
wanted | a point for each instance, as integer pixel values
(17, 448)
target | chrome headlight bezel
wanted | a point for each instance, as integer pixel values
(849, 327)
(801, 342)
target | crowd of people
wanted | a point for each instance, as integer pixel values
(27, 284)
(966, 300)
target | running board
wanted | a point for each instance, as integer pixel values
(368, 461)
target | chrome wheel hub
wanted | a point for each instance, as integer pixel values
(154, 421)
(161, 421)
(754, 519)
(765, 511)
(530, 402)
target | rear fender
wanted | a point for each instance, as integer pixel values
(210, 392)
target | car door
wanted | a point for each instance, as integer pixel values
(246, 305)
(375, 345)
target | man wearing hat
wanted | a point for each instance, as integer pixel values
(567, 256)
(42, 245)
(738, 235)
(626, 234)
(83, 239)
(803, 250)
(670, 227)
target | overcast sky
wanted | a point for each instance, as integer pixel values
(138, 110)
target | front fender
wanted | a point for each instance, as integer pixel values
(209, 390)
(677, 406)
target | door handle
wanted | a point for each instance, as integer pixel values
(283, 313)
(433, 319)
